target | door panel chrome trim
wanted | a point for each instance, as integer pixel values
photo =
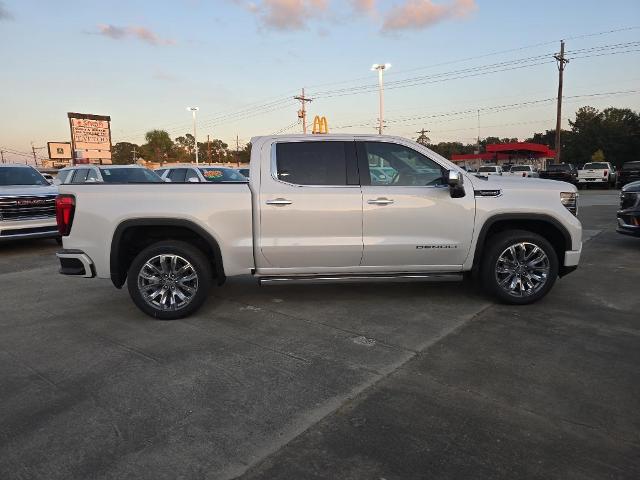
(386, 278)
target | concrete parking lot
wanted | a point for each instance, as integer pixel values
(370, 381)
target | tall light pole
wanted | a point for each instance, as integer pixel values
(195, 138)
(381, 67)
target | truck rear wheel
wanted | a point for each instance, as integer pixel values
(169, 280)
(519, 267)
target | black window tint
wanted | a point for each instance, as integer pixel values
(312, 163)
(177, 175)
(80, 175)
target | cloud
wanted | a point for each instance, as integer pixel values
(419, 14)
(363, 6)
(141, 33)
(286, 15)
(4, 13)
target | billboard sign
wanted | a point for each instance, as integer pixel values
(59, 150)
(90, 137)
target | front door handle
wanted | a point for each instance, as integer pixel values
(279, 201)
(380, 201)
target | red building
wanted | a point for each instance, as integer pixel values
(507, 153)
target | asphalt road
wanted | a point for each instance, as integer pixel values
(312, 382)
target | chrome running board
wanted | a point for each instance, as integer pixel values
(408, 277)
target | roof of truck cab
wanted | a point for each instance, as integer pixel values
(329, 136)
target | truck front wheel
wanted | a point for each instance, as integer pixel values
(519, 267)
(169, 280)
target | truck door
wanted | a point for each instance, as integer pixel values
(310, 207)
(410, 221)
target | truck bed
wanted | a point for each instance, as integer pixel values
(222, 210)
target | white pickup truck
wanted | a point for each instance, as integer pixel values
(312, 211)
(597, 173)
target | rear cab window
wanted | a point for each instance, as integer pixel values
(315, 163)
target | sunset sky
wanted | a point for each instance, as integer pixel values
(241, 62)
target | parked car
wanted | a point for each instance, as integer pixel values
(629, 213)
(564, 172)
(202, 174)
(48, 177)
(27, 204)
(486, 170)
(314, 215)
(107, 174)
(523, 171)
(630, 172)
(597, 173)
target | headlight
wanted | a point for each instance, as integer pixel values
(570, 201)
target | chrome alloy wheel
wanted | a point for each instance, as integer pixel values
(522, 269)
(168, 282)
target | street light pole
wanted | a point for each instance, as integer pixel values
(195, 138)
(381, 68)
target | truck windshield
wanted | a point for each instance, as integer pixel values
(559, 168)
(220, 175)
(521, 168)
(595, 166)
(129, 175)
(487, 169)
(21, 176)
(631, 166)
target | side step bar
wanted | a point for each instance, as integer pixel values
(386, 278)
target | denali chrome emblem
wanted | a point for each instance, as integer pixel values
(30, 201)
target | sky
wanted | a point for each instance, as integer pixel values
(242, 61)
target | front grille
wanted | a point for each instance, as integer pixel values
(27, 207)
(628, 200)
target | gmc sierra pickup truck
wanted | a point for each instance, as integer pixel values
(312, 211)
(27, 204)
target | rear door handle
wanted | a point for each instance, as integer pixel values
(279, 201)
(380, 201)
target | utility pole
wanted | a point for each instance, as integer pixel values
(478, 138)
(33, 149)
(134, 158)
(302, 113)
(423, 139)
(237, 151)
(561, 64)
(2, 155)
(208, 150)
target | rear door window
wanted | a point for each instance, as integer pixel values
(177, 175)
(312, 163)
(80, 175)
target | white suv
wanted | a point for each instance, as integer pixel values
(523, 171)
(106, 174)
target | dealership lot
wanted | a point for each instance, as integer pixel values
(356, 381)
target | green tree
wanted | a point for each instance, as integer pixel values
(598, 156)
(122, 153)
(183, 148)
(158, 147)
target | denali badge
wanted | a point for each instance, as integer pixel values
(30, 201)
(423, 247)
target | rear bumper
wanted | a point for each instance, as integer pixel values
(594, 180)
(76, 263)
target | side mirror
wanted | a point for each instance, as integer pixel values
(455, 182)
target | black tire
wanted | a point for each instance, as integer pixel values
(499, 243)
(199, 265)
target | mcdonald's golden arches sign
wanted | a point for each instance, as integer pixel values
(320, 125)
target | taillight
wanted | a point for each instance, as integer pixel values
(65, 208)
(605, 173)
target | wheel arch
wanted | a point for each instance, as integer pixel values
(133, 235)
(545, 225)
